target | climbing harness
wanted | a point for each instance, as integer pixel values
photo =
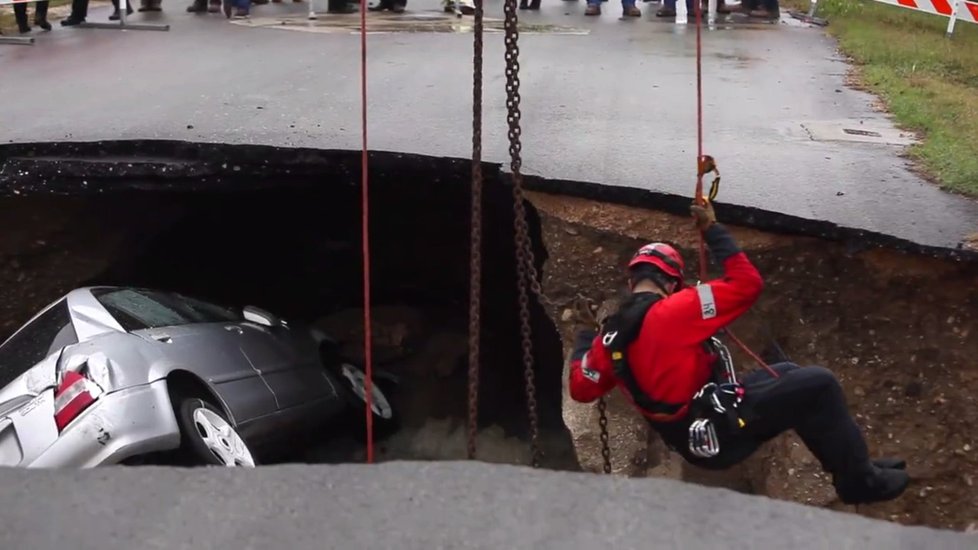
(475, 255)
(619, 331)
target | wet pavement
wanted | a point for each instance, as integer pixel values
(604, 101)
(410, 505)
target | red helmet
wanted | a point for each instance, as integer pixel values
(662, 256)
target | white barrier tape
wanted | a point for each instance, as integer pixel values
(9, 2)
(939, 7)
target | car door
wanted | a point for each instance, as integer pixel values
(293, 371)
(204, 343)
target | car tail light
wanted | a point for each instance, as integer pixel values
(75, 394)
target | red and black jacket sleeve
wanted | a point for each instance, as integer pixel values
(590, 368)
(699, 312)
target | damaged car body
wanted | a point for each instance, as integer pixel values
(113, 375)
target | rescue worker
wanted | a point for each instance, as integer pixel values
(661, 349)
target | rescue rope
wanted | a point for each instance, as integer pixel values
(706, 164)
(365, 228)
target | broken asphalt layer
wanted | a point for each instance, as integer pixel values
(614, 106)
(94, 168)
(408, 505)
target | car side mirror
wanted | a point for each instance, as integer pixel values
(261, 317)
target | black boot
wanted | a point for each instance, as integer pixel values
(20, 14)
(890, 463)
(340, 6)
(199, 6)
(115, 14)
(41, 15)
(876, 485)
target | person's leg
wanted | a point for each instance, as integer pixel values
(20, 14)
(629, 9)
(115, 14)
(810, 401)
(79, 11)
(41, 15)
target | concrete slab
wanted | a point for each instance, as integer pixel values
(417, 505)
(614, 106)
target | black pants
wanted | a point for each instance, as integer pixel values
(79, 9)
(40, 11)
(808, 400)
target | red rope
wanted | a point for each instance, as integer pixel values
(699, 171)
(365, 227)
(699, 124)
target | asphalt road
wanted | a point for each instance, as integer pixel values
(416, 505)
(614, 105)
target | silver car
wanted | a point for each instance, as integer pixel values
(110, 375)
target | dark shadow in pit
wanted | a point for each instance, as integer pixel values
(285, 235)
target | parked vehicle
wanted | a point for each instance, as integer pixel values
(109, 375)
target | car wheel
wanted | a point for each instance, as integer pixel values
(208, 437)
(385, 419)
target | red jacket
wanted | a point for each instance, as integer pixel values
(667, 358)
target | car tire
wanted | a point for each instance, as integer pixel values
(385, 417)
(208, 438)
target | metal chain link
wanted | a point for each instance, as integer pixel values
(475, 266)
(525, 263)
(605, 446)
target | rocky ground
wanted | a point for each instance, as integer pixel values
(899, 331)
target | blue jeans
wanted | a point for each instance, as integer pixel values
(242, 4)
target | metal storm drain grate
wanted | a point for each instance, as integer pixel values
(876, 131)
(854, 132)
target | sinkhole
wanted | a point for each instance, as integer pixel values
(280, 229)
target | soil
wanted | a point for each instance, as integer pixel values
(901, 333)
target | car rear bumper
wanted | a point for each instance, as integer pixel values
(122, 424)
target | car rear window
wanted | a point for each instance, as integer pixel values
(38, 339)
(138, 309)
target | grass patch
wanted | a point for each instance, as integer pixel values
(9, 26)
(927, 81)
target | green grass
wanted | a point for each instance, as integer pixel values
(928, 82)
(9, 26)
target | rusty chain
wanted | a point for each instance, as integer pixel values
(605, 446)
(525, 263)
(475, 267)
